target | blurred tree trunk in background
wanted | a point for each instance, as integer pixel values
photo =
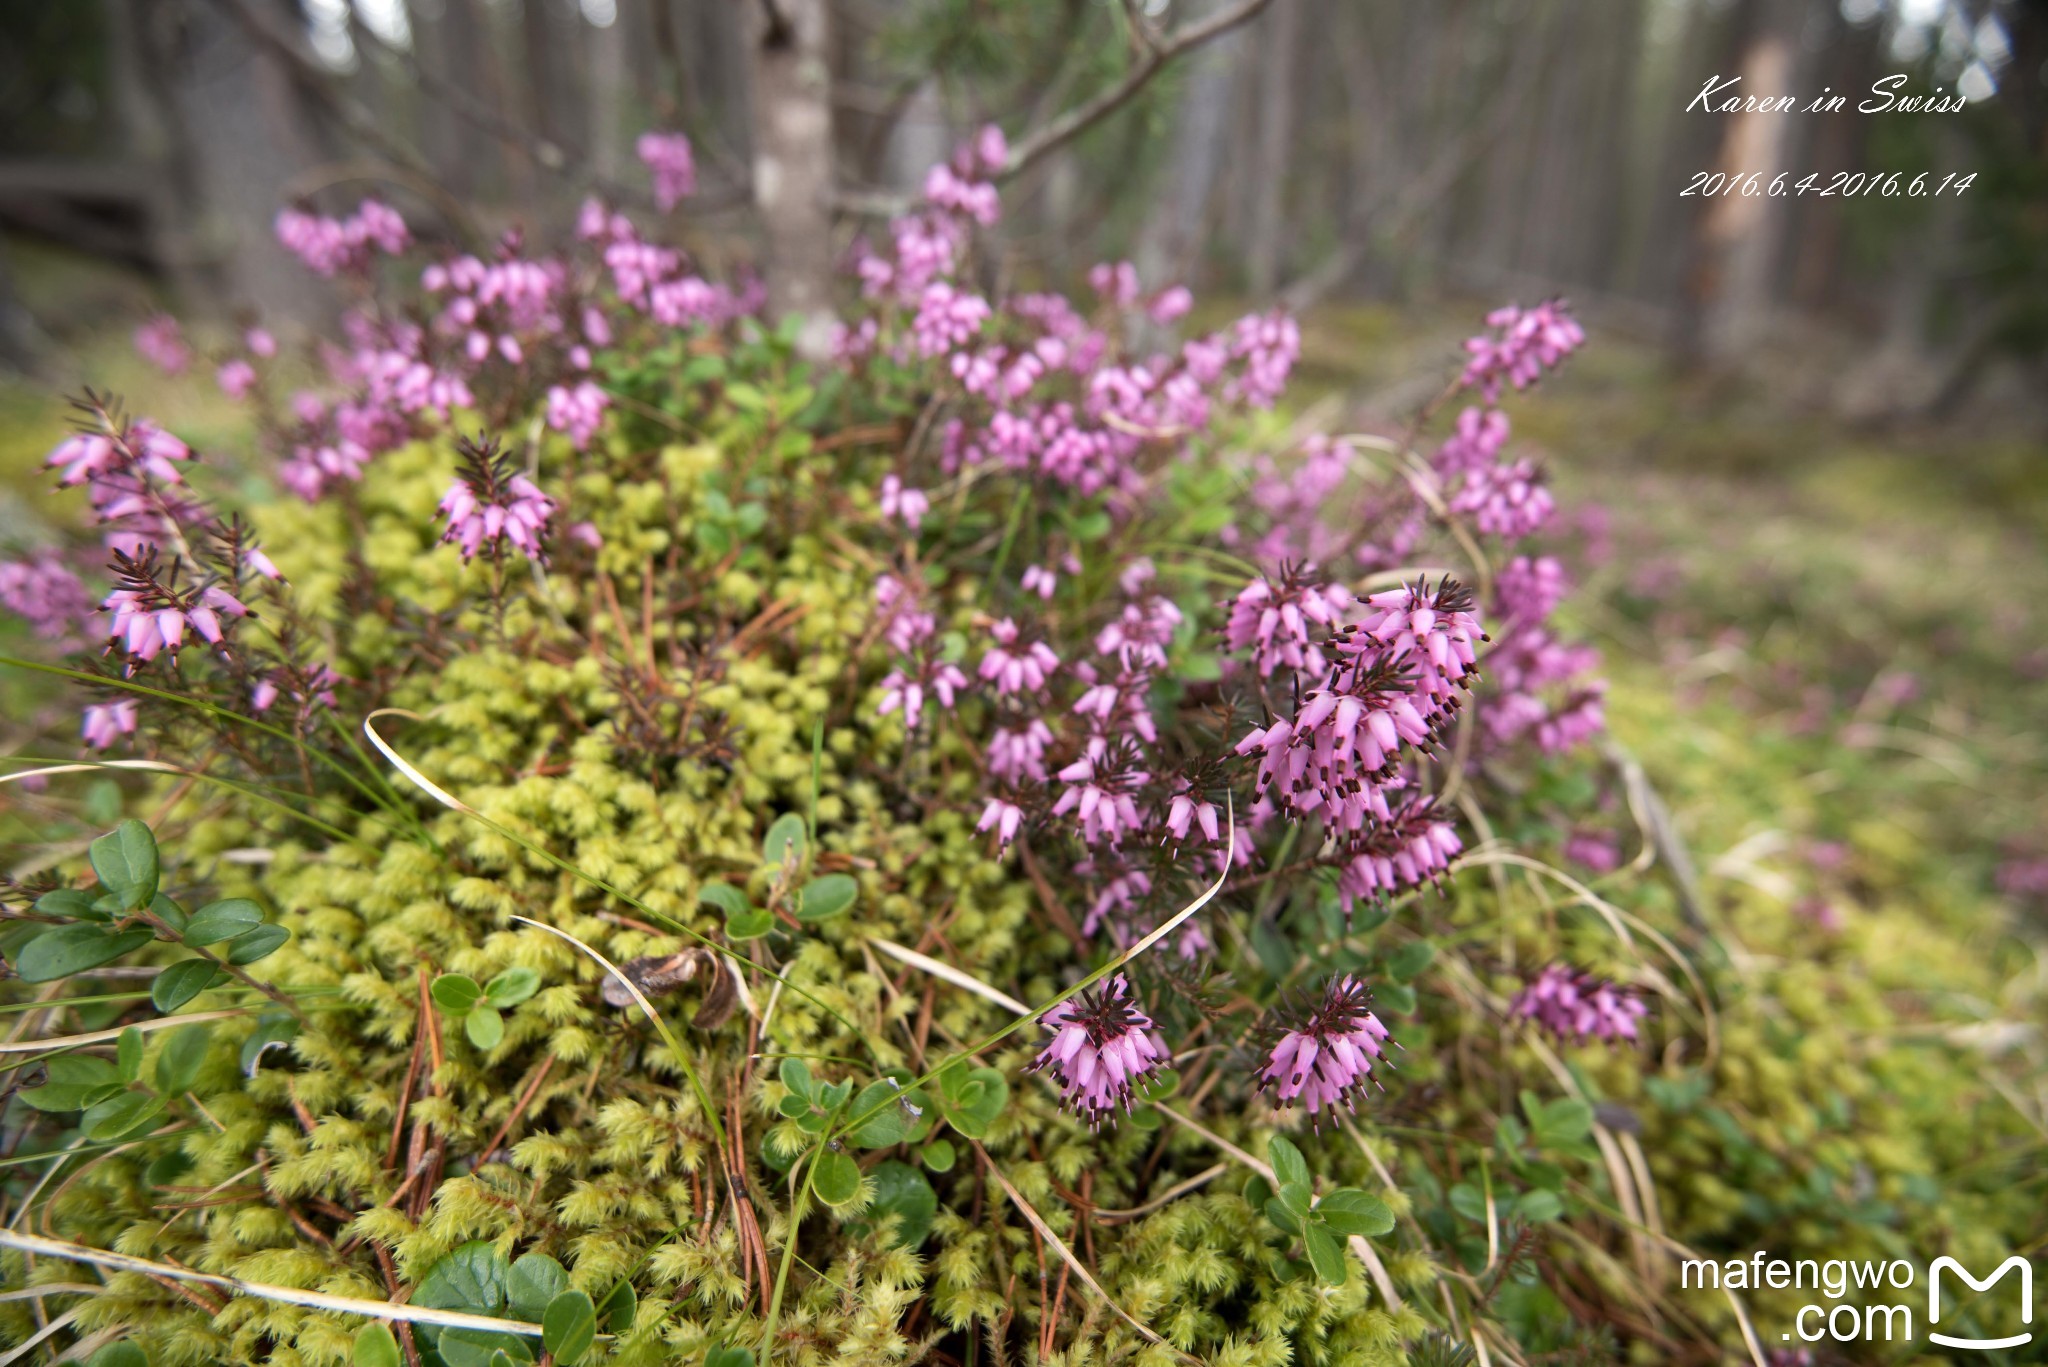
(1266, 187)
(1181, 218)
(251, 141)
(792, 156)
(1730, 294)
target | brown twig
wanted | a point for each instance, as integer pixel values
(525, 1100)
(1078, 120)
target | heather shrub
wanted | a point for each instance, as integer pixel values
(993, 841)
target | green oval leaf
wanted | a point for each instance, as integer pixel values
(796, 1075)
(1350, 1211)
(456, 993)
(126, 1353)
(826, 897)
(481, 1348)
(217, 921)
(76, 1082)
(751, 926)
(181, 982)
(120, 1115)
(1288, 1164)
(125, 861)
(1539, 1206)
(902, 1191)
(511, 987)
(469, 1277)
(723, 1356)
(485, 1027)
(785, 841)
(1326, 1254)
(532, 1284)
(259, 943)
(979, 1101)
(128, 1049)
(618, 1309)
(568, 1327)
(167, 910)
(836, 1178)
(376, 1346)
(72, 949)
(889, 1123)
(726, 898)
(939, 1155)
(1407, 962)
(179, 1061)
(76, 902)
(1279, 1214)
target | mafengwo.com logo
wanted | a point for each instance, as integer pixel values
(1963, 1311)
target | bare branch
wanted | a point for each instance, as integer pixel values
(1078, 120)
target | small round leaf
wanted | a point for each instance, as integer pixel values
(569, 1327)
(836, 1178)
(376, 1346)
(485, 1027)
(456, 993)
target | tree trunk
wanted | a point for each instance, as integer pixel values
(1268, 186)
(1177, 225)
(250, 135)
(792, 103)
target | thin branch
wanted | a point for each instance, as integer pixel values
(1078, 120)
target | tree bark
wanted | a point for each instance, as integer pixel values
(1268, 185)
(1176, 227)
(792, 106)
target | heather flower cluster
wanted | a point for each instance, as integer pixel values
(1060, 655)
(1323, 1057)
(490, 504)
(1103, 1046)
(1574, 1006)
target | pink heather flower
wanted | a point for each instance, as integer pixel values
(905, 623)
(1475, 443)
(1596, 850)
(1017, 670)
(1506, 500)
(256, 562)
(1172, 303)
(1116, 282)
(1529, 342)
(944, 188)
(1276, 622)
(1325, 1057)
(306, 687)
(1019, 756)
(106, 723)
(1406, 848)
(1102, 1044)
(1003, 817)
(489, 502)
(1575, 1006)
(991, 149)
(1436, 633)
(162, 344)
(146, 624)
(1099, 787)
(905, 504)
(1528, 590)
(578, 412)
(1267, 345)
(260, 343)
(943, 682)
(1190, 807)
(1039, 580)
(2024, 879)
(236, 377)
(1138, 636)
(668, 160)
(586, 534)
(946, 318)
(46, 594)
(331, 246)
